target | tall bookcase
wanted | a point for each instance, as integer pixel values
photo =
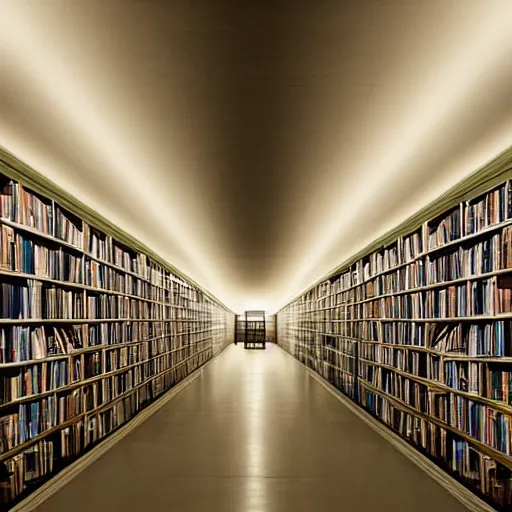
(255, 331)
(240, 329)
(92, 330)
(418, 331)
(270, 324)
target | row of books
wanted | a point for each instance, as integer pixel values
(137, 263)
(490, 477)
(26, 343)
(479, 339)
(23, 469)
(103, 247)
(325, 302)
(18, 205)
(342, 361)
(39, 460)
(33, 419)
(98, 244)
(168, 312)
(378, 261)
(343, 381)
(41, 415)
(186, 314)
(21, 301)
(408, 277)
(462, 458)
(67, 230)
(346, 346)
(369, 351)
(21, 254)
(33, 380)
(102, 276)
(445, 230)
(111, 360)
(483, 257)
(421, 432)
(440, 232)
(43, 377)
(411, 247)
(495, 383)
(118, 306)
(58, 303)
(492, 381)
(482, 297)
(489, 338)
(186, 304)
(182, 289)
(463, 375)
(117, 333)
(488, 210)
(409, 361)
(407, 249)
(401, 387)
(470, 299)
(328, 315)
(370, 330)
(480, 421)
(36, 300)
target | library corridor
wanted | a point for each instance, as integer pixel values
(254, 433)
(255, 256)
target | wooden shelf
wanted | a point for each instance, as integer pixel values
(341, 303)
(185, 327)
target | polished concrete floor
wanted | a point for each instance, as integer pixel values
(254, 433)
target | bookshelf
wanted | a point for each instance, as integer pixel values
(270, 324)
(255, 332)
(93, 328)
(240, 329)
(417, 329)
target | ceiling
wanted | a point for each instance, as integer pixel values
(255, 144)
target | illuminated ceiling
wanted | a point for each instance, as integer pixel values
(255, 144)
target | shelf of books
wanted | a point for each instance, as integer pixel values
(270, 323)
(240, 328)
(91, 331)
(419, 333)
(255, 330)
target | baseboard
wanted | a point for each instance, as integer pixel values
(454, 487)
(61, 479)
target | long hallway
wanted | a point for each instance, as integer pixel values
(254, 433)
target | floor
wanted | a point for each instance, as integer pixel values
(255, 433)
